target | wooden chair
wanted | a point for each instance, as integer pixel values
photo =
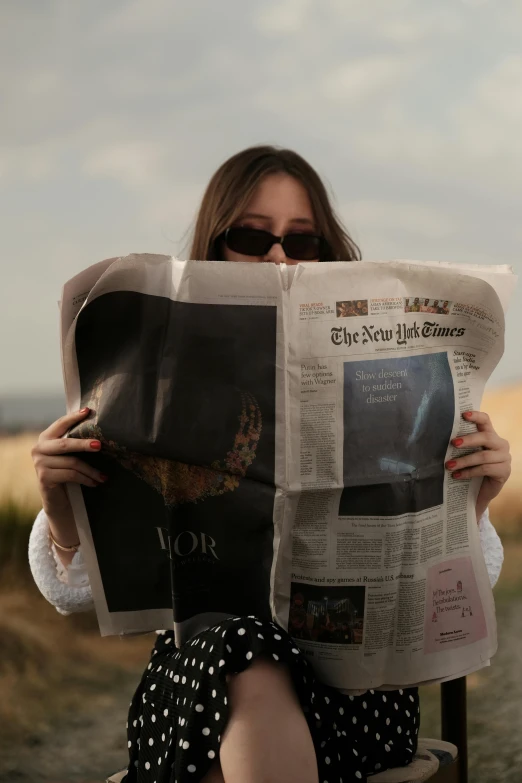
(439, 761)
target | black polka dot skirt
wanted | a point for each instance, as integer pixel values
(179, 712)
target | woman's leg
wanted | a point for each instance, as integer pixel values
(267, 739)
(215, 775)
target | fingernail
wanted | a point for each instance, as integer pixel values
(95, 444)
(468, 414)
(457, 475)
(103, 477)
(458, 442)
(84, 410)
(451, 464)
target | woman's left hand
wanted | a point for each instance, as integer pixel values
(492, 461)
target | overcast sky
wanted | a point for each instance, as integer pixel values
(115, 115)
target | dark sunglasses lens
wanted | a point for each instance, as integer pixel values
(302, 247)
(248, 241)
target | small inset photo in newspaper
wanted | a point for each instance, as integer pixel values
(354, 307)
(333, 615)
(398, 417)
(422, 305)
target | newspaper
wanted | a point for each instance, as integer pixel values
(275, 440)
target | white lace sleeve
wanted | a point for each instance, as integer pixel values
(491, 547)
(66, 588)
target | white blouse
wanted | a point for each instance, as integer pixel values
(67, 588)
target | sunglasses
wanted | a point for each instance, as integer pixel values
(255, 242)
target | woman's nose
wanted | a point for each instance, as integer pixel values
(276, 254)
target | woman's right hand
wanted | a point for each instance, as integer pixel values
(56, 463)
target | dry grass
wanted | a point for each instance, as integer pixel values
(50, 663)
(504, 405)
(18, 485)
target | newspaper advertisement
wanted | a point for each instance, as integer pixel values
(275, 440)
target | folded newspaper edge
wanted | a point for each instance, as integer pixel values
(331, 512)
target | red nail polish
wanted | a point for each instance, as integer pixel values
(85, 410)
(457, 475)
(468, 414)
(95, 444)
(451, 464)
(458, 442)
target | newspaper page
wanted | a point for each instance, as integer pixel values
(388, 584)
(275, 439)
(182, 367)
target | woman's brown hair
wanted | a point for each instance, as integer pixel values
(233, 185)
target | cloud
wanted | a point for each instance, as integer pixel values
(173, 207)
(363, 78)
(283, 17)
(339, 97)
(408, 218)
(401, 22)
(137, 18)
(394, 136)
(490, 122)
(29, 163)
(132, 163)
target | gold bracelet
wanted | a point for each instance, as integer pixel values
(64, 548)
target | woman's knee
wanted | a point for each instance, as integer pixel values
(264, 680)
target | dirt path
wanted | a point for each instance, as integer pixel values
(82, 747)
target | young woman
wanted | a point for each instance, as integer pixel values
(239, 702)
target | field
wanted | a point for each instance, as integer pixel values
(52, 666)
(59, 680)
